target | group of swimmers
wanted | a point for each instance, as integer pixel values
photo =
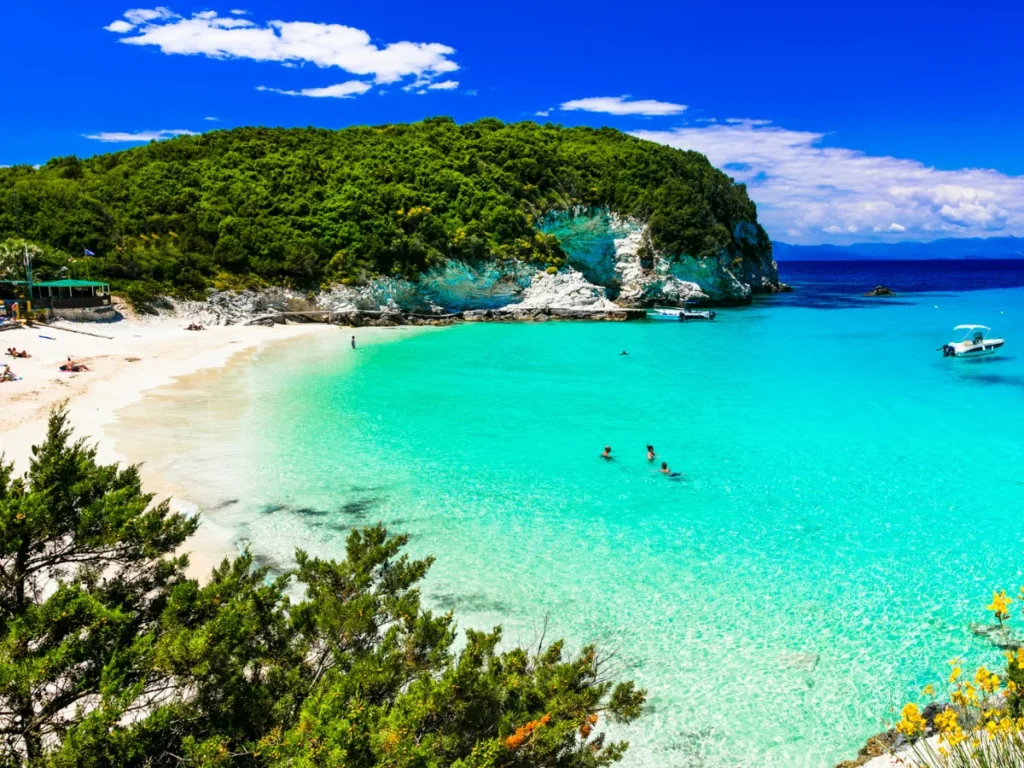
(651, 457)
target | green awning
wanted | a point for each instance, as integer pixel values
(71, 284)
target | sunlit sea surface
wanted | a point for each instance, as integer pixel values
(849, 500)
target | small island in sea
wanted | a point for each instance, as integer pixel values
(256, 509)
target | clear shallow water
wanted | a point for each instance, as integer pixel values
(850, 497)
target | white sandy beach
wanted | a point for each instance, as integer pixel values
(126, 359)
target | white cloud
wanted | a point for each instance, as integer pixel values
(543, 113)
(123, 137)
(121, 26)
(212, 119)
(447, 85)
(325, 45)
(143, 15)
(620, 105)
(237, 12)
(339, 91)
(807, 191)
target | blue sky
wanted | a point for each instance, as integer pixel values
(848, 121)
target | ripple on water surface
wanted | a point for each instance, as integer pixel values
(850, 498)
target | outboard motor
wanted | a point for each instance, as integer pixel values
(948, 351)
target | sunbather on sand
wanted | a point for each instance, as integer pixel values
(12, 352)
(72, 367)
(7, 374)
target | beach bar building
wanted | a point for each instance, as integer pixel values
(63, 297)
(71, 294)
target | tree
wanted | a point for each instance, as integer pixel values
(278, 204)
(83, 579)
(109, 656)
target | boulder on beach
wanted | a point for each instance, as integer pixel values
(880, 290)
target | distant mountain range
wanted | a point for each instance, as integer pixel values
(947, 248)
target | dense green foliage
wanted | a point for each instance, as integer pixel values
(308, 206)
(110, 656)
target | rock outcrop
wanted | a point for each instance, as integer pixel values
(619, 254)
(880, 290)
(613, 264)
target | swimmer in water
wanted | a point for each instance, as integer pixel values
(623, 352)
(666, 471)
(607, 453)
(650, 453)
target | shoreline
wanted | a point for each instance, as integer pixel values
(127, 361)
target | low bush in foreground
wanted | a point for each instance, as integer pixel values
(981, 724)
(111, 656)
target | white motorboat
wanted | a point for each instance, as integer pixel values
(681, 314)
(975, 342)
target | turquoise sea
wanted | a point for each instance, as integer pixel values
(850, 499)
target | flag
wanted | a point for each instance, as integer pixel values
(89, 253)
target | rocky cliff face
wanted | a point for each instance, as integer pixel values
(619, 254)
(612, 262)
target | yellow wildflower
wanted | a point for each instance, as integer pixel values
(928, 690)
(912, 724)
(1000, 605)
(954, 674)
(945, 721)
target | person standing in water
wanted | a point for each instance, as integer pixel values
(353, 342)
(650, 453)
(607, 455)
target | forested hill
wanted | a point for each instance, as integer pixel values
(308, 206)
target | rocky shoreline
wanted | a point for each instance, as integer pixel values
(385, 318)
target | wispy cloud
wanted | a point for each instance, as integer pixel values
(447, 85)
(141, 136)
(807, 192)
(339, 91)
(284, 42)
(621, 105)
(212, 119)
(542, 112)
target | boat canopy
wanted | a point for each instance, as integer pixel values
(972, 328)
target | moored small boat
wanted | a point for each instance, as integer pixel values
(975, 342)
(681, 314)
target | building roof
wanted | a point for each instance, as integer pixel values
(71, 284)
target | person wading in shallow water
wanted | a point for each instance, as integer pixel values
(607, 453)
(353, 342)
(650, 453)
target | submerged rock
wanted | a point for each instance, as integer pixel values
(880, 290)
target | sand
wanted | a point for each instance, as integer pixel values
(126, 359)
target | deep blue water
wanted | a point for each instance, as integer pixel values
(835, 284)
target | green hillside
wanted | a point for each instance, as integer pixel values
(307, 206)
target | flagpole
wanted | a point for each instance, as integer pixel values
(28, 277)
